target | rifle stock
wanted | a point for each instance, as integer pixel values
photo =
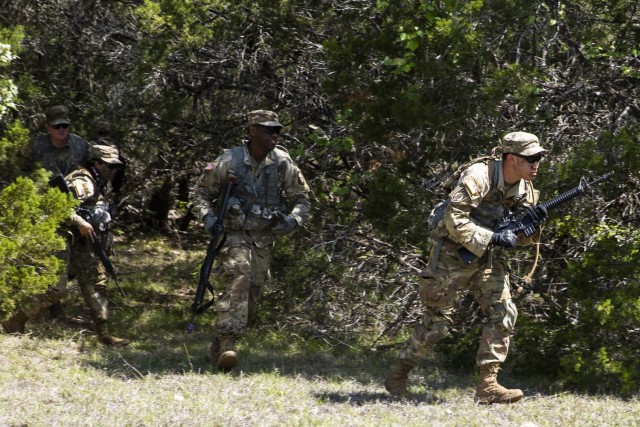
(523, 223)
(213, 249)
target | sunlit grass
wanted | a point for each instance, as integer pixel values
(59, 375)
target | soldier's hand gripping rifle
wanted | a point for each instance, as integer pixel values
(218, 236)
(98, 250)
(522, 222)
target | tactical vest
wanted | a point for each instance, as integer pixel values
(437, 214)
(259, 198)
(100, 207)
(60, 161)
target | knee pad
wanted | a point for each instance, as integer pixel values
(504, 314)
(436, 327)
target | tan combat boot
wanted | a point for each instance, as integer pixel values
(488, 390)
(396, 381)
(228, 357)
(103, 336)
(15, 324)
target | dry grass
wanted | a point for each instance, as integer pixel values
(49, 382)
(57, 375)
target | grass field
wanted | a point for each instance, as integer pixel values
(58, 375)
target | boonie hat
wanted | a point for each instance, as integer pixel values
(523, 143)
(105, 153)
(58, 114)
(263, 118)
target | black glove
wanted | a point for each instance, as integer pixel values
(209, 222)
(285, 223)
(537, 213)
(506, 239)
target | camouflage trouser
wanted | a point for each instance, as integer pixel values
(243, 270)
(439, 294)
(92, 278)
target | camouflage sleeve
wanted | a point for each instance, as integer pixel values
(209, 185)
(472, 187)
(82, 187)
(296, 193)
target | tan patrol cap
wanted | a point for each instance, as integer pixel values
(263, 118)
(523, 143)
(105, 153)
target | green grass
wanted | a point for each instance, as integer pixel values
(58, 375)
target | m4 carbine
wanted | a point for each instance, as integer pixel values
(218, 238)
(99, 250)
(60, 183)
(522, 222)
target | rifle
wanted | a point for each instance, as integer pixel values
(218, 238)
(522, 222)
(98, 249)
(60, 183)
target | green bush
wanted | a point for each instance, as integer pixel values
(30, 214)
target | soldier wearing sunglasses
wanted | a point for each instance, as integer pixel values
(270, 198)
(59, 150)
(485, 191)
(90, 184)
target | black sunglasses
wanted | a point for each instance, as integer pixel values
(270, 130)
(530, 159)
(112, 165)
(60, 126)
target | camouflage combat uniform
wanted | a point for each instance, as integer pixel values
(467, 255)
(477, 204)
(59, 161)
(275, 184)
(84, 265)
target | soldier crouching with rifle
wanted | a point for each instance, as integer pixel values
(270, 197)
(91, 241)
(467, 253)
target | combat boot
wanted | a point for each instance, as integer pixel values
(102, 332)
(228, 357)
(396, 381)
(488, 390)
(15, 324)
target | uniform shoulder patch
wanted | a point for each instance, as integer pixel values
(81, 187)
(473, 189)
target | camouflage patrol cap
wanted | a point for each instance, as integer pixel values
(263, 118)
(523, 143)
(57, 114)
(105, 153)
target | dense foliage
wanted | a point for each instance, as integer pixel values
(381, 99)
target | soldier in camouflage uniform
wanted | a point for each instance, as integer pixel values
(60, 152)
(485, 193)
(90, 185)
(271, 198)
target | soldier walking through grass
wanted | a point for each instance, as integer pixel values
(270, 198)
(486, 191)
